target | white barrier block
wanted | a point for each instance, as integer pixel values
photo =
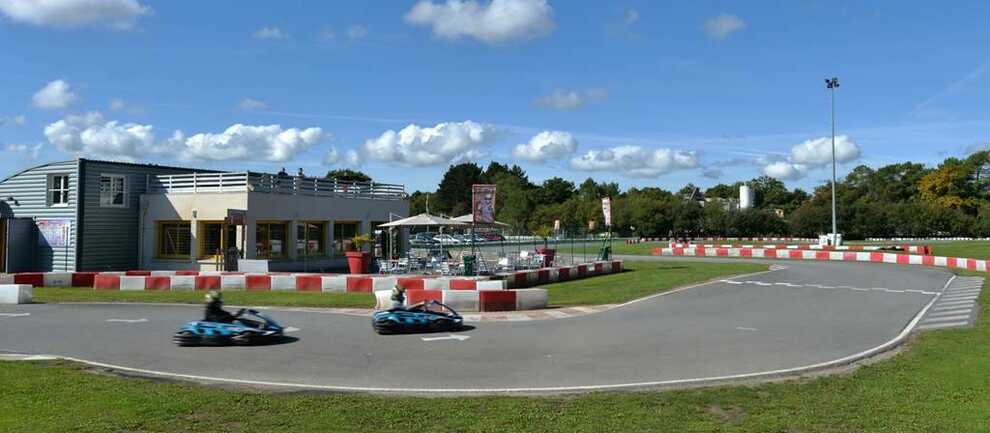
(915, 260)
(15, 294)
(7, 279)
(436, 284)
(531, 299)
(334, 283)
(836, 255)
(383, 283)
(383, 299)
(283, 282)
(182, 283)
(889, 258)
(554, 276)
(735, 252)
(210, 273)
(533, 277)
(131, 282)
(981, 265)
(461, 300)
(941, 261)
(58, 279)
(232, 282)
(863, 257)
(782, 254)
(162, 273)
(491, 285)
(809, 255)
(710, 252)
(759, 252)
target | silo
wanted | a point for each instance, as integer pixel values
(745, 197)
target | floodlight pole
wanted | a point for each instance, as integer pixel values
(833, 84)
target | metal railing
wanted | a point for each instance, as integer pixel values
(270, 183)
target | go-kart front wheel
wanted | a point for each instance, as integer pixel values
(185, 338)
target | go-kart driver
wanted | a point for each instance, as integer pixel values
(215, 311)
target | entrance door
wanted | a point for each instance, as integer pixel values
(3, 245)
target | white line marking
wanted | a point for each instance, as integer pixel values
(952, 307)
(291, 329)
(458, 337)
(128, 320)
(14, 314)
(955, 303)
(942, 325)
(960, 298)
(859, 289)
(947, 318)
(743, 328)
(937, 312)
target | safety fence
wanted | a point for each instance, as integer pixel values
(847, 256)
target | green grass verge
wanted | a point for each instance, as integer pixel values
(288, 299)
(641, 279)
(940, 385)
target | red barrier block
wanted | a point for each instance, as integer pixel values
(876, 257)
(582, 270)
(463, 284)
(616, 267)
(359, 284)
(950, 262)
(187, 273)
(417, 296)
(83, 279)
(208, 282)
(158, 283)
(849, 257)
(36, 279)
(309, 283)
(971, 264)
(700, 251)
(563, 274)
(677, 251)
(497, 300)
(721, 252)
(656, 251)
(746, 252)
(257, 282)
(106, 282)
(520, 280)
(599, 268)
(928, 260)
(411, 283)
(821, 255)
(543, 276)
(138, 273)
(903, 259)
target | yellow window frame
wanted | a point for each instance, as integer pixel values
(160, 247)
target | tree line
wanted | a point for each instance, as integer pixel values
(897, 200)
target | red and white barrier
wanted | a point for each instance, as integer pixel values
(534, 277)
(848, 256)
(472, 300)
(913, 249)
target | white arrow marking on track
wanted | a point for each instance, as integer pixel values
(14, 314)
(128, 320)
(743, 328)
(457, 337)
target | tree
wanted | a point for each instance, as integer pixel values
(417, 202)
(556, 190)
(348, 175)
(454, 193)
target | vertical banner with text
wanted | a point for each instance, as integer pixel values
(483, 203)
(607, 210)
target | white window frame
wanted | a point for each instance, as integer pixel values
(124, 192)
(50, 189)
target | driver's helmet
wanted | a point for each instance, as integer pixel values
(214, 295)
(398, 292)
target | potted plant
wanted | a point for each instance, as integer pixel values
(548, 253)
(358, 260)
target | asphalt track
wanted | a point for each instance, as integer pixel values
(808, 314)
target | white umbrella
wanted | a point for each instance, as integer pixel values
(424, 220)
(469, 219)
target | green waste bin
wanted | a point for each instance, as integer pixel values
(605, 252)
(469, 265)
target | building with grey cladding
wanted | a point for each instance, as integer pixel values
(87, 215)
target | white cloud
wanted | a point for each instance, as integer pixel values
(492, 22)
(90, 134)
(247, 142)
(270, 33)
(720, 27)
(630, 16)
(117, 104)
(784, 170)
(636, 161)
(251, 104)
(418, 146)
(357, 32)
(809, 155)
(819, 151)
(31, 152)
(16, 120)
(117, 14)
(55, 95)
(350, 158)
(571, 99)
(546, 146)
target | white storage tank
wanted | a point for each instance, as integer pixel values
(745, 197)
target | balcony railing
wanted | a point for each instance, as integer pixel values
(270, 183)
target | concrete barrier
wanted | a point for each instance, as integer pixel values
(15, 294)
(531, 299)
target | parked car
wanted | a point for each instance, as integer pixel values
(447, 239)
(492, 236)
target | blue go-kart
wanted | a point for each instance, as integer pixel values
(417, 318)
(251, 327)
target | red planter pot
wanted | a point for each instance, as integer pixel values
(358, 262)
(548, 255)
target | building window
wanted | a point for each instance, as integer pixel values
(310, 239)
(58, 190)
(113, 190)
(269, 239)
(343, 232)
(174, 239)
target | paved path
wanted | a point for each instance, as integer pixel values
(801, 315)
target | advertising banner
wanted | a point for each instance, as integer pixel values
(607, 210)
(483, 203)
(55, 232)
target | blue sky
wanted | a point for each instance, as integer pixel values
(637, 92)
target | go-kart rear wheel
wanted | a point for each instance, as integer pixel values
(243, 338)
(185, 338)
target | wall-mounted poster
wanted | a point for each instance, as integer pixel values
(483, 203)
(55, 232)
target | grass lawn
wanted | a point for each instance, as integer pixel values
(939, 385)
(293, 299)
(641, 279)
